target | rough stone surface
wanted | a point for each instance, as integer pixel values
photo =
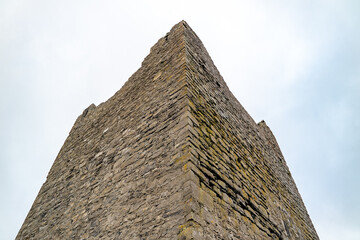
(172, 155)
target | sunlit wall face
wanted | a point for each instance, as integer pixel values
(295, 64)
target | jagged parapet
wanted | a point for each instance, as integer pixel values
(172, 155)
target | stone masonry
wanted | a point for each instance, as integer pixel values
(172, 155)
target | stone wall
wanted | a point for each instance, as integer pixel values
(172, 155)
(244, 189)
(116, 177)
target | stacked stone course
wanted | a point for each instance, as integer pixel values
(172, 155)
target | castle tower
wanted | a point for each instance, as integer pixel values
(172, 155)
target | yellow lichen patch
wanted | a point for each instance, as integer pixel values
(188, 229)
(192, 105)
(255, 229)
(245, 220)
(203, 129)
(183, 158)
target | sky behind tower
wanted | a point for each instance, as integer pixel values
(295, 64)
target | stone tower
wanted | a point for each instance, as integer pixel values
(172, 155)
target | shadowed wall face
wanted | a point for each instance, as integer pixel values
(171, 155)
(245, 189)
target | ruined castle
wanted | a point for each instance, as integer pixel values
(172, 155)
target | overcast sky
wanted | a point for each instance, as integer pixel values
(295, 64)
